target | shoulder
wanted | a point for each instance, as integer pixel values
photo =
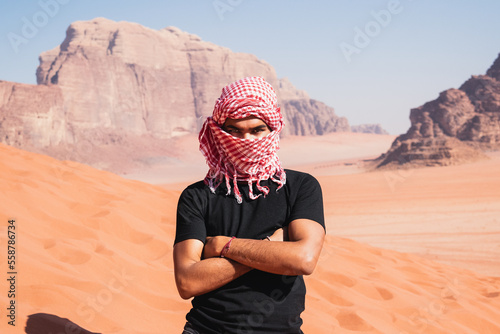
(303, 186)
(196, 190)
(297, 174)
(305, 197)
(196, 186)
(295, 178)
(199, 193)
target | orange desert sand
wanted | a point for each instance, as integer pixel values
(413, 251)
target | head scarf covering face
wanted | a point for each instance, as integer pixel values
(235, 159)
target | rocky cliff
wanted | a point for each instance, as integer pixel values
(110, 82)
(454, 128)
(369, 128)
(32, 114)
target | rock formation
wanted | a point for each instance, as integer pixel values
(32, 114)
(369, 128)
(308, 116)
(454, 128)
(110, 82)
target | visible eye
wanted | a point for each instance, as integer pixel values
(260, 131)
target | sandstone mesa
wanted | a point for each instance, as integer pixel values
(111, 84)
(455, 128)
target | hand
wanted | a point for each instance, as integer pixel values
(214, 245)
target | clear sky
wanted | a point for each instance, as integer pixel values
(371, 60)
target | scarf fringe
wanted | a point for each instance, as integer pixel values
(215, 181)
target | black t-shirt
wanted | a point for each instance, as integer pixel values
(257, 302)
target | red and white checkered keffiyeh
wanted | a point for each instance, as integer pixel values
(235, 159)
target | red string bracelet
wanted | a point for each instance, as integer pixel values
(225, 249)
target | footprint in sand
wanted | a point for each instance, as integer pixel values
(342, 279)
(102, 249)
(74, 257)
(351, 321)
(65, 252)
(101, 213)
(374, 292)
(492, 294)
(385, 294)
(331, 294)
(49, 243)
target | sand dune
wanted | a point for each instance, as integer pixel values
(450, 214)
(93, 247)
(96, 248)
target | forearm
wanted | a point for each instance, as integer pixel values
(284, 258)
(207, 275)
(298, 256)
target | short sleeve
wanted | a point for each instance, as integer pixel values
(191, 215)
(307, 201)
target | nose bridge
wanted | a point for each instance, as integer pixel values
(247, 135)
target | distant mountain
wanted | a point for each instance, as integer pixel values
(369, 128)
(115, 83)
(456, 127)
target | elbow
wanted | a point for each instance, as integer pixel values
(308, 268)
(185, 294)
(307, 271)
(307, 264)
(185, 291)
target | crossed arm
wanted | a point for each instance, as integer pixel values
(199, 269)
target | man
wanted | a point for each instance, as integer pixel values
(248, 232)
